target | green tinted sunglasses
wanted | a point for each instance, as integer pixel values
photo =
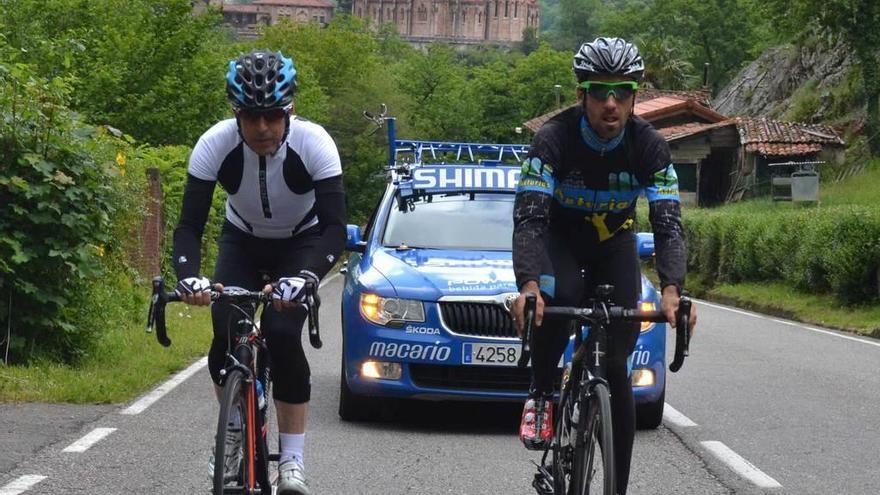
(602, 90)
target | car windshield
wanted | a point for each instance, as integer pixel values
(462, 221)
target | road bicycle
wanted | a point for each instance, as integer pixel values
(246, 371)
(580, 457)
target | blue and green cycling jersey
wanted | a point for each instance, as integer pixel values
(575, 182)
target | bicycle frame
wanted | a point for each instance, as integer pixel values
(247, 346)
(586, 371)
(243, 353)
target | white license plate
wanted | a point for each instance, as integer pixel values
(490, 354)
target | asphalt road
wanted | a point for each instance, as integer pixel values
(800, 407)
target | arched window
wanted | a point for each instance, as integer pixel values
(423, 14)
(515, 10)
(506, 8)
(479, 17)
(496, 8)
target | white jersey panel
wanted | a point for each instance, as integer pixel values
(269, 208)
(212, 148)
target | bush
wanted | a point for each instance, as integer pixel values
(63, 185)
(831, 249)
(172, 162)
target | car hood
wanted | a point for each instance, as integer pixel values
(428, 274)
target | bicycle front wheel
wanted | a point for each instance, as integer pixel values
(231, 447)
(593, 463)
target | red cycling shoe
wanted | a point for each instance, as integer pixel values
(536, 425)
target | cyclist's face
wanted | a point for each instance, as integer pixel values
(607, 117)
(262, 131)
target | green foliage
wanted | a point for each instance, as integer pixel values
(834, 249)
(722, 33)
(145, 66)
(805, 102)
(664, 66)
(62, 191)
(855, 21)
(172, 162)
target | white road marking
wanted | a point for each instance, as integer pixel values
(148, 400)
(328, 279)
(22, 484)
(87, 441)
(739, 465)
(672, 415)
(791, 323)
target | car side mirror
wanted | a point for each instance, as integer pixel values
(645, 242)
(353, 240)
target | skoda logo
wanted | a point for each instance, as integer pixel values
(509, 300)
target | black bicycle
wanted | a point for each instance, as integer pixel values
(581, 454)
(247, 370)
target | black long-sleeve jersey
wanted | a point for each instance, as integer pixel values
(586, 188)
(297, 189)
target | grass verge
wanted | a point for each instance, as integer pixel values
(126, 363)
(787, 302)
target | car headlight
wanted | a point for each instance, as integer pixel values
(391, 311)
(647, 306)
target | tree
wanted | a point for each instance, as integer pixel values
(719, 32)
(855, 21)
(149, 67)
(664, 66)
(576, 22)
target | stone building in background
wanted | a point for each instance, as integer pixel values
(453, 21)
(247, 17)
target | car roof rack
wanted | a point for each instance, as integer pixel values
(489, 165)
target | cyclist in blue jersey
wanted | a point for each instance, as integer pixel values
(573, 228)
(285, 217)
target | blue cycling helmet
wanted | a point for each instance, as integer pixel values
(261, 80)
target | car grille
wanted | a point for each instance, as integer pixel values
(483, 378)
(477, 319)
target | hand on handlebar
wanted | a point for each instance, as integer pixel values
(516, 311)
(196, 291)
(289, 292)
(669, 307)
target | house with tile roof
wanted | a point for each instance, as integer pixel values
(720, 159)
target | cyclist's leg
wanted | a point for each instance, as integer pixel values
(290, 371)
(550, 341)
(234, 267)
(618, 265)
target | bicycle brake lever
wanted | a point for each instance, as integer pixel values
(314, 302)
(529, 314)
(682, 334)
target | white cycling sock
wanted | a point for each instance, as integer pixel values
(291, 447)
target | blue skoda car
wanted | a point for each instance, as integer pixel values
(427, 287)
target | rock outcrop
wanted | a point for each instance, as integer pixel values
(764, 88)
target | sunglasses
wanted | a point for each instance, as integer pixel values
(269, 114)
(602, 90)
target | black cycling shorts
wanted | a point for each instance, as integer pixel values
(243, 261)
(613, 262)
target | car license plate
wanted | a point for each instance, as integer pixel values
(490, 354)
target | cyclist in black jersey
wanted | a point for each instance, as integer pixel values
(285, 217)
(573, 228)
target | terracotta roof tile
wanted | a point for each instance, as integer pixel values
(764, 130)
(784, 149)
(643, 95)
(691, 128)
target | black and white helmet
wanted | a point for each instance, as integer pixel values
(611, 56)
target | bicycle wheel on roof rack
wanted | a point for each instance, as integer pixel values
(593, 459)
